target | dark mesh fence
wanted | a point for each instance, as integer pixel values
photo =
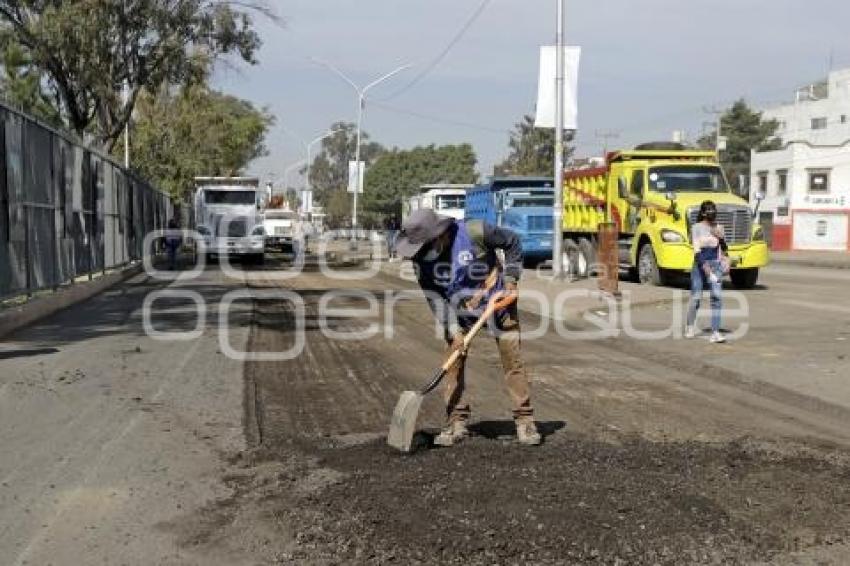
(66, 210)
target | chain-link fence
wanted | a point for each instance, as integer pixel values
(66, 210)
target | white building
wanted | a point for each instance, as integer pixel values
(806, 183)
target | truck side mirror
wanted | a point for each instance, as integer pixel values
(674, 210)
(623, 187)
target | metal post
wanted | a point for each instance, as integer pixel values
(127, 146)
(558, 212)
(358, 185)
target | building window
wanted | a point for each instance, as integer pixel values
(819, 181)
(821, 228)
(844, 118)
(761, 185)
(782, 182)
(782, 211)
(818, 123)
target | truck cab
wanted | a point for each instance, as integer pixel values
(523, 204)
(228, 217)
(653, 194)
(443, 198)
(282, 229)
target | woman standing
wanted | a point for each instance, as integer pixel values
(708, 270)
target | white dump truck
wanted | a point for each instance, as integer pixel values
(229, 217)
(283, 229)
(443, 198)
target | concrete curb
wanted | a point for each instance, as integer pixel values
(14, 318)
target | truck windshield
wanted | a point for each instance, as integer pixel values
(529, 198)
(230, 197)
(687, 179)
(447, 202)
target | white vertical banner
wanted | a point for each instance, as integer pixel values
(546, 88)
(352, 176)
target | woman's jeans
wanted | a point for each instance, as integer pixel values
(699, 281)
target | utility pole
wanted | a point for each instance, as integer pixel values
(719, 142)
(126, 97)
(558, 212)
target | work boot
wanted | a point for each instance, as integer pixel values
(526, 432)
(454, 432)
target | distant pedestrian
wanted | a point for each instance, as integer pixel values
(173, 241)
(392, 228)
(710, 265)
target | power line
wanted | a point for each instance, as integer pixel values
(442, 54)
(439, 119)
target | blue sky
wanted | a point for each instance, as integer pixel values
(648, 66)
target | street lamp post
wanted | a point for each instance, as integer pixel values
(361, 104)
(288, 170)
(309, 146)
(558, 213)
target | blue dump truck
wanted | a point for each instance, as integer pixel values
(523, 204)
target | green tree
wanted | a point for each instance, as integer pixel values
(329, 169)
(744, 130)
(85, 51)
(398, 174)
(338, 208)
(532, 150)
(21, 84)
(194, 131)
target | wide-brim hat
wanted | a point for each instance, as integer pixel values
(421, 227)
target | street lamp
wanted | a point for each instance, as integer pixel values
(308, 147)
(287, 171)
(361, 104)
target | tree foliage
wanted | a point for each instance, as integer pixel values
(193, 132)
(532, 150)
(84, 52)
(329, 169)
(21, 84)
(398, 174)
(744, 130)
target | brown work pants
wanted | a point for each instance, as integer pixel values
(516, 379)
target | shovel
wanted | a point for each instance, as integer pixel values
(403, 423)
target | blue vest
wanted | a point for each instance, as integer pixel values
(470, 265)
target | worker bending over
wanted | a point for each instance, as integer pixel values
(453, 259)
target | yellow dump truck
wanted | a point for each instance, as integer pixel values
(653, 194)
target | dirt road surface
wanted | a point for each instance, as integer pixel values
(647, 459)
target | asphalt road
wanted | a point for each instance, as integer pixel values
(122, 449)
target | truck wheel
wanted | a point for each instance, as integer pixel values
(588, 250)
(744, 278)
(648, 271)
(574, 261)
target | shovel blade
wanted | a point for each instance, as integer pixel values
(403, 423)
